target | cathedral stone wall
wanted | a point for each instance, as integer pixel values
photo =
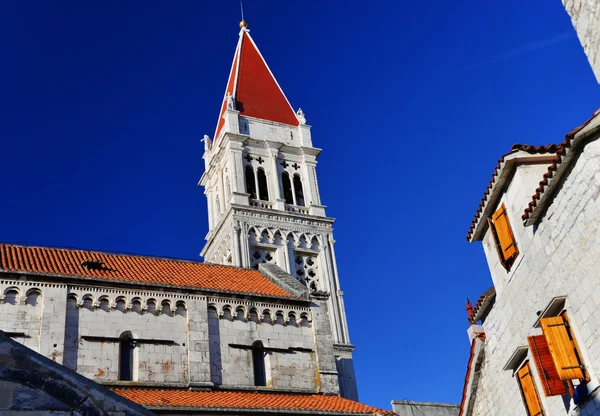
(178, 339)
(560, 258)
(34, 312)
(286, 334)
(155, 317)
(585, 16)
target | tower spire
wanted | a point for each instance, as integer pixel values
(252, 89)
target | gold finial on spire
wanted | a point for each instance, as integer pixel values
(243, 24)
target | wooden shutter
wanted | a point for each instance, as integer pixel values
(551, 382)
(506, 240)
(530, 396)
(562, 348)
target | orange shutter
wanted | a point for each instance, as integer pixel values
(551, 383)
(532, 402)
(504, 232)
(562, 349)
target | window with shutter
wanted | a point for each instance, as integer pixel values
(563, 348)
(551, 382)
(503, 236)
(528, 391)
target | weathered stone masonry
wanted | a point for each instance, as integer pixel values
(585, 15)
(182, 339)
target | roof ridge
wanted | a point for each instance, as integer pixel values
(121, 253)
(515, 148)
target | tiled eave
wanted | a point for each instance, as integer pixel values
(484, 304)
(242, 403)
(94, 281)
(559, 168)
(519, 154)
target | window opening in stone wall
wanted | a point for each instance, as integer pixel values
(126, 348)
(306, 267)
(263, 190)
(287, 188)
(250, 184)
(258, 364)
(298, 190)
(258, 256)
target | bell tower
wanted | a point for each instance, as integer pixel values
(261, 184)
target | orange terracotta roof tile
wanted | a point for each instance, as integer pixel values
(551, 148)
(137, 269)
(549, 175)
(246, 400)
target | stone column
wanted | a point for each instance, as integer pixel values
(336, 324)
(198, 348)
(54, 314)
(327, 381)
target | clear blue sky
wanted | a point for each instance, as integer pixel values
(103, 105)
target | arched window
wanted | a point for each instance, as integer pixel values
(287, 188)
(12, 297)
(250, 184)
(126, 348)
(298, 191)
(258, 363)
(263, 190)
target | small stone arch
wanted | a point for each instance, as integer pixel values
(254, 315)
(33, 296)
(291, 235)
(213, 312)
(12, 295)
(152, 306)
(136, 305)
(279, 318)
(240, 313)
(303, 241)
(267, 316)
(121, 303)
(180, 308)
(228, 312)
(104, 303)
(278, 238)
(315, 243)
(166, 307)
(88, 301)
(304, 319)
(265, 236)
(253, 235)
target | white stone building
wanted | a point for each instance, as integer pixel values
(534, 335)
(585, 16)
(260, 328)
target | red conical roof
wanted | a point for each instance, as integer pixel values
(254, 88)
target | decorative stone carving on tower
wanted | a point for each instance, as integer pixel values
(264, 205)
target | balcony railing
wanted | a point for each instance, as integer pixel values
(261, 204)
(296, 208)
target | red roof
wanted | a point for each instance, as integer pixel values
(254, 88)
(137, 269)
(246, 400)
